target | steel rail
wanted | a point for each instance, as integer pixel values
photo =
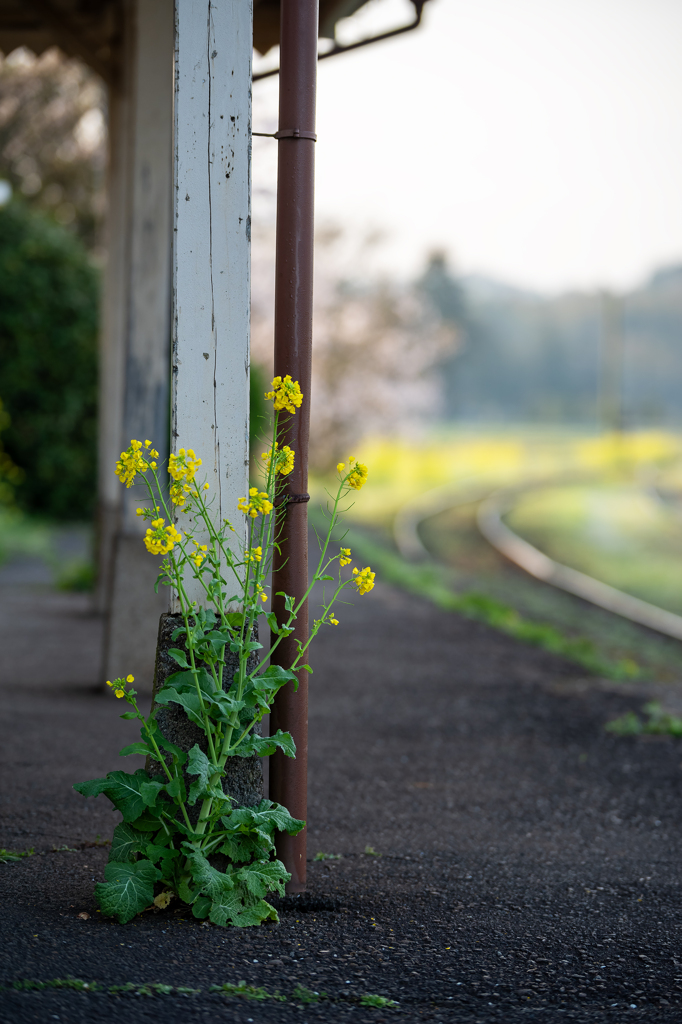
(517, 550)
(539, 565)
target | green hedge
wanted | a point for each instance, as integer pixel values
(48, 363)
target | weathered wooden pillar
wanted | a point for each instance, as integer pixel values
(211, 247)
(136, 349)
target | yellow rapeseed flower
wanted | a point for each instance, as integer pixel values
(286, 394)
(340, 466)
(160, 539)
(120, 693)
(357, 476)
(334, 621)
(364, 579)
(131, 462)
(184, 465)
(284, 459)
(345, 556)
(130, 679)
(257, 503)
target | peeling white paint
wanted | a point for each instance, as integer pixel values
(211, 257)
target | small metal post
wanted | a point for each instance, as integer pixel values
(293, 352)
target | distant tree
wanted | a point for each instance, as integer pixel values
(376, 346)
(53, 138)
(48, 362)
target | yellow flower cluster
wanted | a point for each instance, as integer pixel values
(135, 460)
(179, 492)
(358, 474)
(334, 621)
(118, 685)
(199, 555)
(286, 394)
(364, 580)
(284, 459)
(184, 465)
(256, 555)
(255, 504)
(161, 539)
(345, 556)
(261, 593)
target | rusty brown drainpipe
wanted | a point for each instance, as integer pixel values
(293, 355)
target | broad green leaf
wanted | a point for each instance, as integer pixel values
(147, 822)
(211, 881)
(267, 816)
(264, 876)
(201, 907)
(176, 788)
(137, 748)
(186, 893)
(126, 842)
(129, 714)
(92, 788)
(189, 701)
(129, 889)
(149, 791)
(226, 906)
(179, 657)
(199, 764)
(122, 789)
(162, 855)
(263, 746)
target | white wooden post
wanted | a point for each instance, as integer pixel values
(136, 363)
(211, 247)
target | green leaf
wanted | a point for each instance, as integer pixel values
(92, 788)
(199, 764)
(189, 701)
(325, 577)
(126, 842)
(179, 657)
(201, 907)
(211, 881)
(263, 746)
(186, 893)
(122, 789)
(137, 748)
(272, 622)
(264, 876)
(149, 791)
(129, 714)
(146, 823)
(307, 668)
(163, 854)
(129, 889)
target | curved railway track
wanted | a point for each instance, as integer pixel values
(489, 518)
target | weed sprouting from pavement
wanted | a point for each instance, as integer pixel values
(327, 856)
(8, 856)
(660, 723)
(378, 1001)
(246, 991)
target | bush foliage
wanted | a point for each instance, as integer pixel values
(48, 363)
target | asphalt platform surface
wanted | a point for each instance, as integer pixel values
(526, 864)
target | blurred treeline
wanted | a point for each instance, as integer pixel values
(52, 156)
(595, 359)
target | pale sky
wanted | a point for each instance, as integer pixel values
(537, 141)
